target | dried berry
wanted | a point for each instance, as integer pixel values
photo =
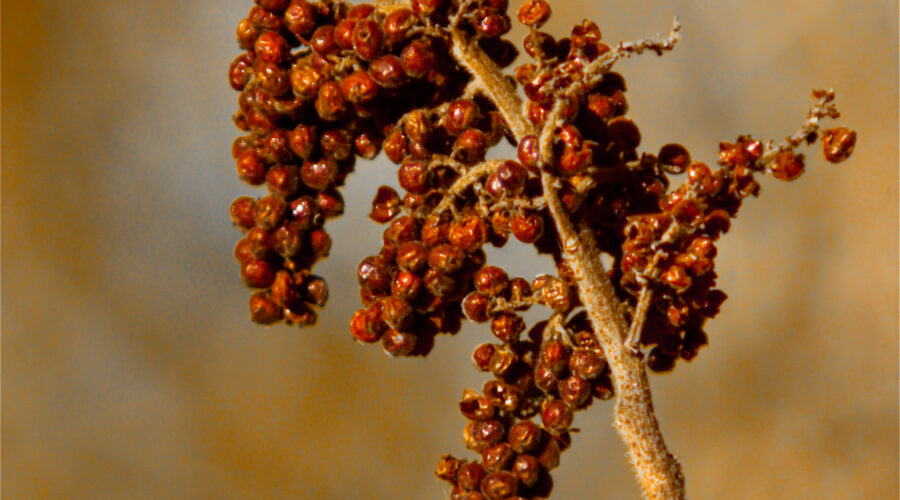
(533, 13)
(838, 144)
(787, 166)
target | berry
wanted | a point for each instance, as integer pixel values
(533, 13)
(838, 144)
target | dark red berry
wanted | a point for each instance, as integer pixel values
(263, 309)
(524, 436)
(387, 71)
(838, 144)
(397, 343)
(418, 58)
(533, 13)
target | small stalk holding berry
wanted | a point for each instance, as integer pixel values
(323, 82)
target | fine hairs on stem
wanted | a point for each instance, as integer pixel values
(428, 82)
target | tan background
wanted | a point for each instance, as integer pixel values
(130, 369)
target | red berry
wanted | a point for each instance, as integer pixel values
(838, 144)
(533, 13)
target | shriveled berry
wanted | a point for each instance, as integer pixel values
(417, 126)
(387, 71)
(359, 87)
(461, 115)
(527, 227)
(540, 45)
(414, 176)
(475, 406)
(499, 485)
(397, 343)
(336, 144)
(556, 416)
(300, 18)
(306, 212)
(367, 39)
(269, 212)
(470, 475)
(271, 47)
(320, 243)
(257, 273)
(401, 230)
(507, 327)
(498, 457)
(475, 307)
(283, 180)
(284, 289)
(373, 274)
(519, 290)
(395, 146)
(838, 143)
(524, 436)
(527, 470)
(406, 285)
(549, 455)
(319, 174)
(242, 212)
(502, 361)
(287, 240)
(482, 434)
(575, 391)
(446, 258)
(306, 80)
(787, 166)
(331, 204)
(397, 313)
(260, 242)
(412, 256)
(471, 146)
(439, 284)
(468, 233)
(240, 71)
(482, 354)
(251, 169)
(545, 378)
(330, 104)
(418, 58)
(533, 13)
(491, 280)
(509, 180)
(397, 24)
(323, 40)
(586, 364)
(359, 330)
(302, 140)
(263, 309)
(447, 468)
(385, 205)
(246, 34)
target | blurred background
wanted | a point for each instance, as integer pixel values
(130, 368)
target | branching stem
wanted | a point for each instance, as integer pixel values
(657, 470)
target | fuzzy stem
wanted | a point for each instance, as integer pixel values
(658, 472)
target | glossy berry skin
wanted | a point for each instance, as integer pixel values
(838, 144)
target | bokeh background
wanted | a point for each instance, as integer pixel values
(130, 368)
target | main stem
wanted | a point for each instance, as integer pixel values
(658, 472)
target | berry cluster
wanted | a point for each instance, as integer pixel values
(557, 370)
(323, 81)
